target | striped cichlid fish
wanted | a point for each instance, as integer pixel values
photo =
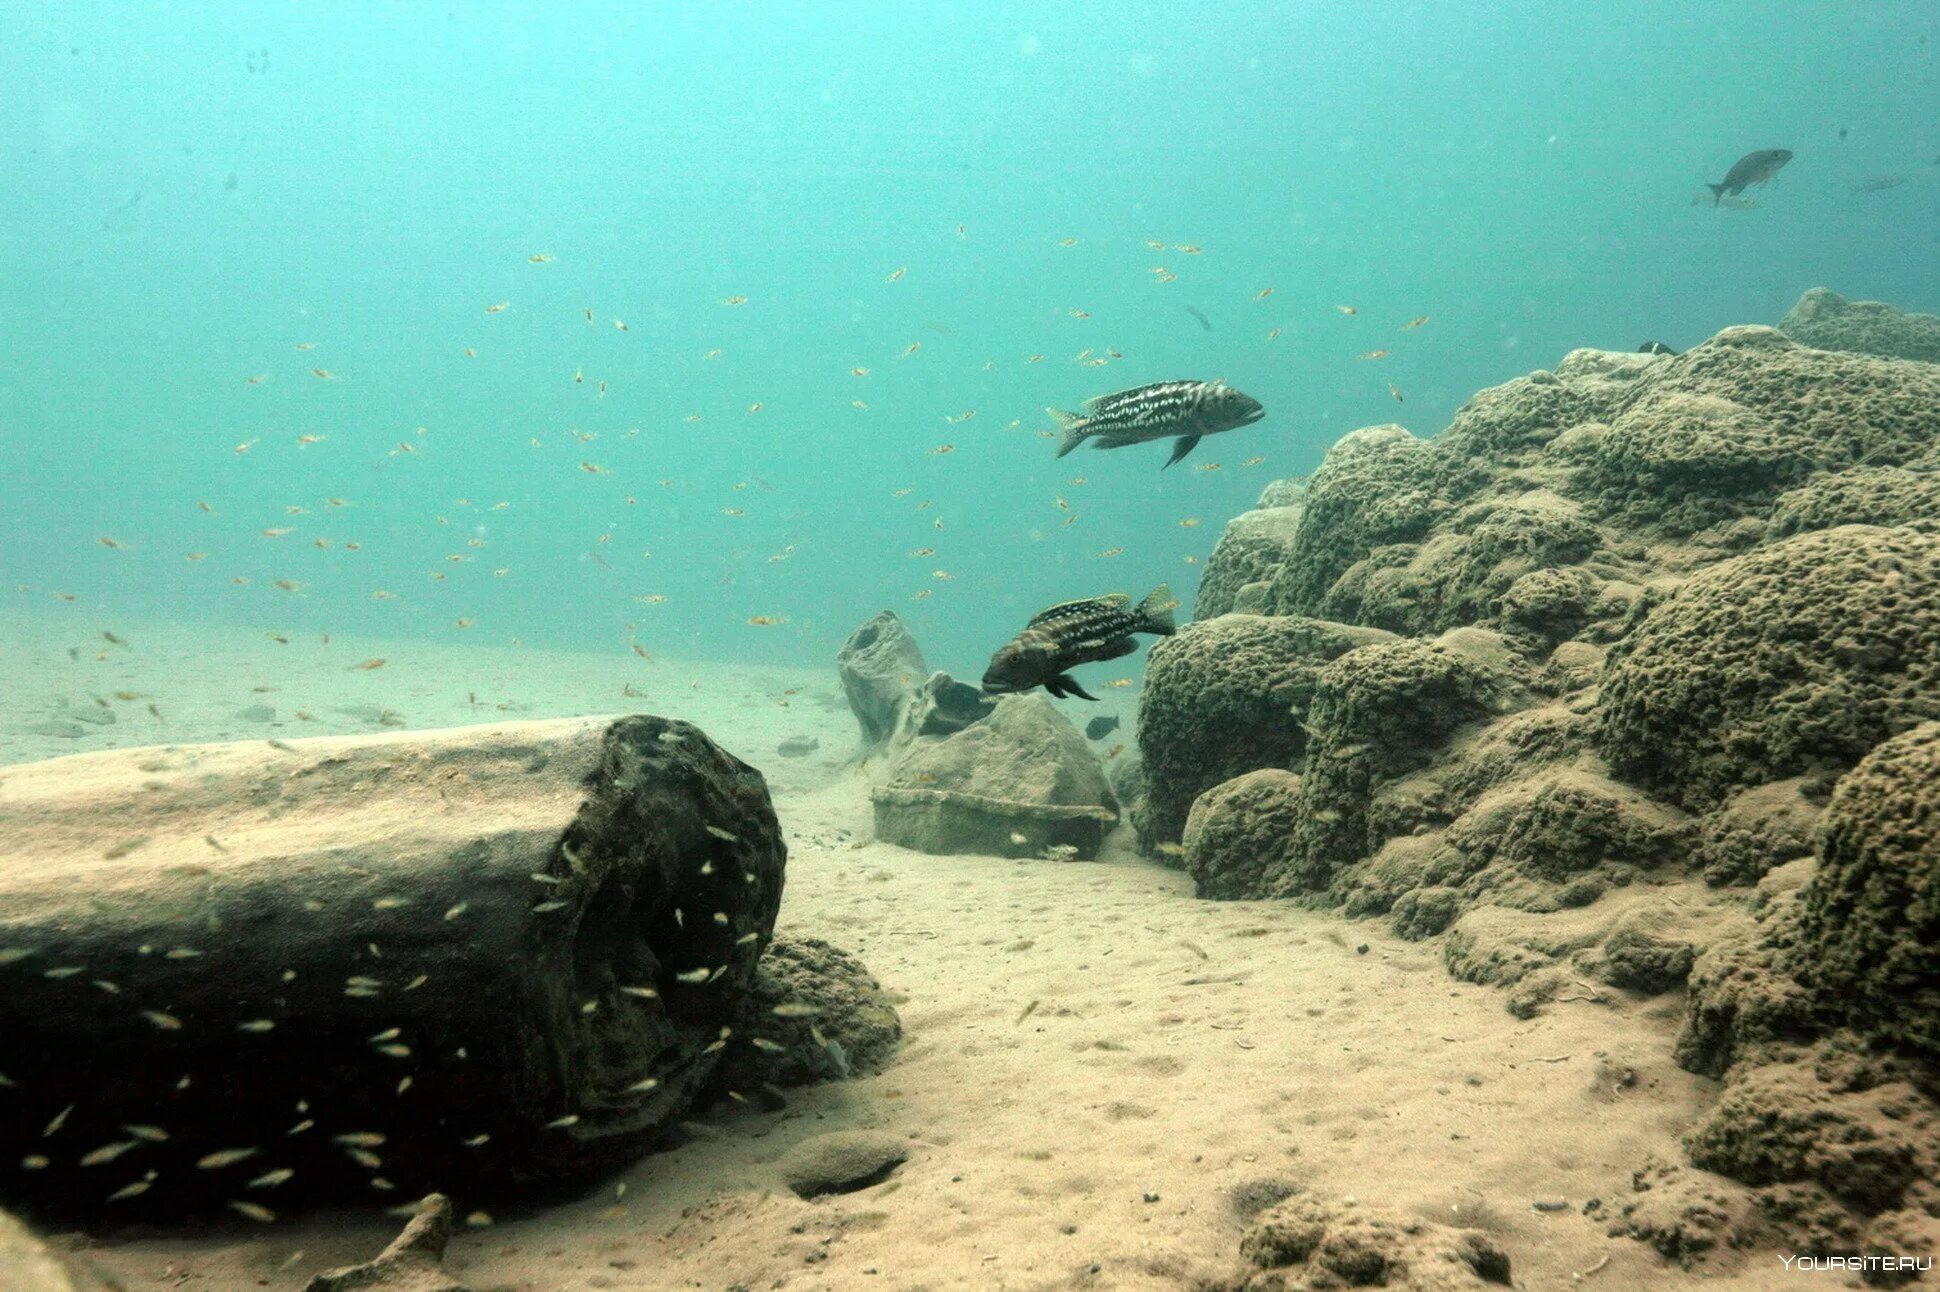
(1176, 410)
(1073, 633)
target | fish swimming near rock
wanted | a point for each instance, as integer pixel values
(798, 746)
(1183, 411)
(1753, 168)
(1655, 347)
(1100, 727)
(1073, 633)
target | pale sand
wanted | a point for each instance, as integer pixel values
(1176, 1048)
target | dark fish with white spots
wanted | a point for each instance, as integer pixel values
(1074, 633)
(1100, 727)
(1182, 411)
(1753, 168)
(1655, 347)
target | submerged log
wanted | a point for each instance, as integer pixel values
(262, 973)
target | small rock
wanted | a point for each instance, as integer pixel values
(409, 1264)
(1151, 1197)
(842, 1162)
(1361, 950)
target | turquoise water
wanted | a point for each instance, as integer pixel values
(193, 193)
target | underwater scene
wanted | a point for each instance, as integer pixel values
(1232, 647)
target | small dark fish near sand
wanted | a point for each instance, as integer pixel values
(1655, 347)
(1753, 168)
(1204, 322)
(1073, 633)
(1166, 410)
(1100, 727)
(798, 746)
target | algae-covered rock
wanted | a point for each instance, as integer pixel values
(1755, 831)
(1239, 834)
(1562, 823)
(1831, 409)
(942, 705)
(1837, 1120)
(1798, 657)
(820, 1015)
(1677, 461)
(1825, 320)
(1378, 713)
(1377, 486)
(1522, 414)
(1227, 696)
(1461, 574)
(881, 668)
(1251, 550)
(1342, 1243)
(1744, 1001)
(1867, 495)
(1016, 783)
(1686, 1213)
(1870, 931)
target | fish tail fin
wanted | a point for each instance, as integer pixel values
(1717, 193)
(1156, 611)
(1072, 426)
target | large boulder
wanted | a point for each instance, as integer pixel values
(1020, 782)
(1239, 835)
(1226, 696)
(1675, 461)
(882, 671)
(1378, 714)
(1378, 486)
(494, 957)
(1866, 495)
(1249, 554)
(1870, 932)
(1796, 657)
(1825, 320)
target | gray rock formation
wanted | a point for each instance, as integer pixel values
(1825, 320)
(412, 1263)
(1019, 782)
(882, 669)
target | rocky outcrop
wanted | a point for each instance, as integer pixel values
(1248, 557)
(1021, 781)
(1328, 1243)
(1798, 657)
(501, 956)
(1870, 928)
(412, 1263)
(1659, 706)
(882, 670)
(1826, 320)
(1226, 696)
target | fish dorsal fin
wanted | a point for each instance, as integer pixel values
(1117, 600)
